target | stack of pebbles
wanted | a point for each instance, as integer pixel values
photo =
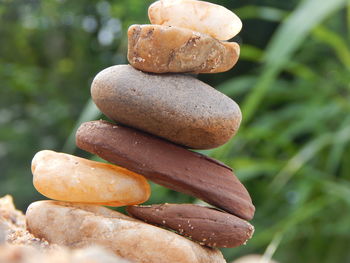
(159, 113)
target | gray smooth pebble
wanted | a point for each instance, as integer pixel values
(176, 107)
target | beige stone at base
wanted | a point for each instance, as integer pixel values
(28, 254)
(161, 49)
(79, 226)
(253, 259)
(17, 245)
(204, 17)
(69, 178)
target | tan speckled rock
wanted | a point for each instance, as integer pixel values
(161, 49)
(79, 226)
(201, 16)
(176, 107)
(70, 178)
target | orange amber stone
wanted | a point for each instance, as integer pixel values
(70, 178)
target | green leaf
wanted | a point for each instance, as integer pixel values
(237, 86)
(295, 29)
(284, 43)
(262, 12)
(334, 41)
(251, 53)
(307, 153)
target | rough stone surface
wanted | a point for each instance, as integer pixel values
(17, 245)
(28, 254)
(253, 258)
(205, 225)
(167, 164)
(66, 177)
(176, 107)
(78, 226)
(162, 49)
(201, 16)
(13, 227)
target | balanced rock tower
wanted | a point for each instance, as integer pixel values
(158, 111)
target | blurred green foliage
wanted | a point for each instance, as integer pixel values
(292, 83)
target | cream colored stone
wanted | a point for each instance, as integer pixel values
(69, 178)
(204, 17)
(161, 49)
(79, 226)
(28, 254)
(253, 258)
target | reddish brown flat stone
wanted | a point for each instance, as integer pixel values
(167, 164)
(205, 225)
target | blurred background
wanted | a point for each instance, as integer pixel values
(292, 83)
